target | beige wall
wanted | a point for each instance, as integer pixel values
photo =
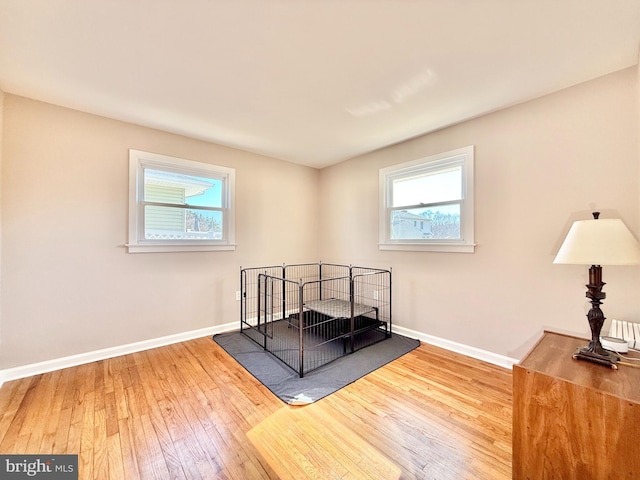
(68, 285)
(539, 166)
(1, 130)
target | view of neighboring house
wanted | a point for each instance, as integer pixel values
(408, 225)
(167, 217)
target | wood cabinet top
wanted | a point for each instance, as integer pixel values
(552, 355)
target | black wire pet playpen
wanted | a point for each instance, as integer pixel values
(308, 315)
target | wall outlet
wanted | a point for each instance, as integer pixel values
(238, 295)
(375, 294)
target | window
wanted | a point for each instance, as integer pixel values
(178, 205)
(427, 204)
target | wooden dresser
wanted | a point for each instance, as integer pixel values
(574, 419)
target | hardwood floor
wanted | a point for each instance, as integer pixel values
(184, 411)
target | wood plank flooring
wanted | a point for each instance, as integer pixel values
(307, 442)
(184, 411)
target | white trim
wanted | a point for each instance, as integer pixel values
(88, 357)
(164, 248)
(465, 156)
(432, 247)
(139, 159)
(82, 358)
(472, 352)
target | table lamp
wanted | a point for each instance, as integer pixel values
(598, 242)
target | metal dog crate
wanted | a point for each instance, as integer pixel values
(308, 315)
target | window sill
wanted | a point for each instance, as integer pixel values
(169, 248)
(431, 247)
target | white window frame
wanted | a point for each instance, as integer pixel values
(466, 244)
(138, 161)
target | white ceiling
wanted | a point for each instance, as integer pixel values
(309, 81)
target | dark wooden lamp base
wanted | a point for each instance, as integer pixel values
(608, 359)
(594, 352)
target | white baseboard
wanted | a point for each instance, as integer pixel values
(472, 352)
(82, 358)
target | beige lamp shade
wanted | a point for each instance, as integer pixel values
(599, 242)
